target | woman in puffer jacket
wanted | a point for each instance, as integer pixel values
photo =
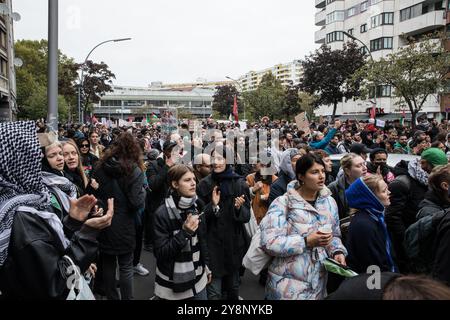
(290, 233)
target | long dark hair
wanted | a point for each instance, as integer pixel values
(126, 150)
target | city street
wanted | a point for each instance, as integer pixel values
(144, 286)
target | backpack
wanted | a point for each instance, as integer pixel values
(420, 238)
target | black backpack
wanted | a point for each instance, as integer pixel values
(420, 238)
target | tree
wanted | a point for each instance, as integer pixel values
(97, 80)
(31, 80)
(292, 101)
(327, 74)
(415, 72)
(224, 100)
(307, 103)
(268, 99)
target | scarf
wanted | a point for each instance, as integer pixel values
(360, 197)
(61, 187)
(21, 184)
(225, 180)
(184, 273)
(417, 173)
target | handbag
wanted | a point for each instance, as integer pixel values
(78, 282)
(251, 226)
(256, 259)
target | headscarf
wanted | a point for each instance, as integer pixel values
(359, 196)
(21, 183)
(417, 173)
(285, 163)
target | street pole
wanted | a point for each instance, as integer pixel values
(235, 81)
(52, 91)
(80, 116)
(371, 58)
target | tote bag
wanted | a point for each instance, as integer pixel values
(256, 259)
(77, 281)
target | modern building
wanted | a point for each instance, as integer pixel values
(140, 102)
(286, 72)
(199, 83)
(382, 25)
(8, 106)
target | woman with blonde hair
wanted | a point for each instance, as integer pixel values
(74, 171)
(368, 241)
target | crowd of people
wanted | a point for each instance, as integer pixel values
(101, 195)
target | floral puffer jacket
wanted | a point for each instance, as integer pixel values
(296, 272)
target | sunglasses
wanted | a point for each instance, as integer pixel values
(85, 146)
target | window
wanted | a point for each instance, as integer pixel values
(335, 36)
(4, 67)
(3, 38)
(350, 31)
(335, 16)
(363, 28)
(364, 6)
(363, 50)
(351, 12)
(411, 12)
(111, 103)
(382, 91)
(381, 43)
(382, 19)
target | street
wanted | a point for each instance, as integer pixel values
(144, 286)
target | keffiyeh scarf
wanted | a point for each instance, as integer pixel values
(21, 183)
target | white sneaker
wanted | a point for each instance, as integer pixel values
(140, 270)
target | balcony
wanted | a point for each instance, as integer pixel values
(321, 17)
(319, 36)
(423, 23)
(320, 4)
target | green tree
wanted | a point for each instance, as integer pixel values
(31, 79)
(224, 100)
(292, 101)
(415, 72)
(328, 73)
(97, 80)
(269, 99)
(307, 103)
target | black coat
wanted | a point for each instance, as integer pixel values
(35, 265)
(337, 189)
(158, 183)
(406, 195)
(366, 244)
(279, 187)
(227, 243)
(129, 197)
(168, 246)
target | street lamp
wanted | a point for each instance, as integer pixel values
(371, 58)
(235, 81)
(80, 117)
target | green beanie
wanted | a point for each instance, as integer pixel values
(435, 157)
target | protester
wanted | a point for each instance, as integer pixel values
(368, 241)
(96, 148)
(378, 165)
(290, 234)
(180, 241)
(88, 160)
(35, 238)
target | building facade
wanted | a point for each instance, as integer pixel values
(285, 72)
(8, 106)
(138, 103)
(382, 25)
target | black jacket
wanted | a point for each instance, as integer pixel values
(337, 189)
(406, 195)
(366, 244)
(227, 241)
(279, 187)
(157, 183)
(167, 245)
(129, 197)
(35, 267)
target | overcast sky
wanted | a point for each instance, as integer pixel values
(176, 40)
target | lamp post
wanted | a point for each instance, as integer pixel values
(371, 58)
(235, 81)
(80, 117)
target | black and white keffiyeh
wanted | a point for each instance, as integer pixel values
(21, 183)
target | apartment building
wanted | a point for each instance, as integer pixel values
(382, 25)
(8, 106)
(286, 72)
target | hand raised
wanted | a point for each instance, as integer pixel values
(80, 208)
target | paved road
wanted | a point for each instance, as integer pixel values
(144, 286)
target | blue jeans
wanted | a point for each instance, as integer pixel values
(226, 287)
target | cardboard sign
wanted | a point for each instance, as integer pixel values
(380, 123)
(303, 123)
